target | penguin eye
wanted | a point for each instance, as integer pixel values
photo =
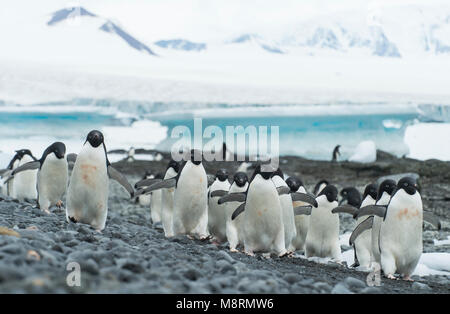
(406, 184)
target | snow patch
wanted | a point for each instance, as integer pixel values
(365, 152)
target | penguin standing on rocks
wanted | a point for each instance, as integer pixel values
(87, 195)
(290, 230)
(8, 183)
(235, 234)
(322, 239)
(190, 208)
(52, 175)
(336, 153)
(362, 245)
(263, 225)
(23, 186)
(301, 221)
(386, 189)
(217, 212)
(167, 196)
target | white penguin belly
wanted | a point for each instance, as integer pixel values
(52, 181)
(167, 198)
(301, 226)
(87, 195)
(25, 182)
(263, 223)
(190, 199)
(322, 239)
(217, 214)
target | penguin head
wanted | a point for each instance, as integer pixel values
(331, 192)
(58, 148)
(352, 196)
(240, 178)
(222, 175)
(147, 174)
(319, 184)
(174, 165)
(279, 173)
(294, 183)
(95, 138)
(265, 172)
(196, 156)
(22, 152)
(371, 189)
(409, 185)
(387, 186)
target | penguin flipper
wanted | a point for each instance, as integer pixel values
(365, 225)
(71, 157)
(432, 219)
(376, 210)
(238, 211)
(302, 210)
(146, 182)
(218, 193)
(349, 209)
(233, 197)
(32, 165)
(165, 184)
(303, 197)
(283, 190)
(120, 178)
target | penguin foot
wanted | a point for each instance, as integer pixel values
(390, 276)
(59, 204)
(408, 278)
(234, 250)
(46, 211)
(266, 255)
(190, 237)
(249, 253)
(284, 254)
(72, 219)
(205, 237)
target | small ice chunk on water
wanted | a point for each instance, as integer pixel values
(365, 152)
(392, 124)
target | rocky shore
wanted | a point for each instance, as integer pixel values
(132, 255)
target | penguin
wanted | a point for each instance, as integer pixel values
(386, 189)
(234, 232)
(52, 176)
(320, 186)
(190, 212)
(216, 212)
(263, 226)
(336, 153)
(24, 184)
(301, 221)
(290, 230)
(322, 239)
(362, 245)
(87, 195)
(167, 197)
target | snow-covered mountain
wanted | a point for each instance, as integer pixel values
(68, 14)
(180, 44)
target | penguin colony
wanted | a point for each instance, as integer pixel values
(267, 213)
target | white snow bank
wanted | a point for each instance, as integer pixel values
(442, 242)
(143, 134)
(365, 152)
(428, 140)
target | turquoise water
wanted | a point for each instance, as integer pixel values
(316, 136)
(311, 136)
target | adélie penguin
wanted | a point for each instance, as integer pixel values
(87, 195)
(190, 212)
(7, 178)
(216, 212)
(263, 225)
(301, 221)
(290, 230)
(167, 198)
(400, 237)
(320, 186)
(322, 239)
(362, 245)
(234, 232)
(52, 175)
